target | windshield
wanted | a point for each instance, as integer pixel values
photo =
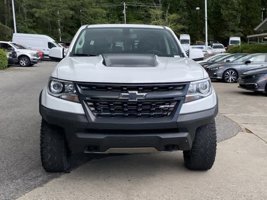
(218, 46)
(184, 41)
(216, 57)
(18, 46)
(234, 42)
(233, 57)
(243, 58)
(97, 41)
(228, 57)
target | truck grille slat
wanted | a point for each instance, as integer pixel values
(125, 88)
(104, 100)
(102, 108)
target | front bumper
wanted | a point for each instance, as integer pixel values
(34, 60)
(253, 84)
(100, 135)
(252, 87)
(214, 74)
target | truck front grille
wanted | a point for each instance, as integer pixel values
(138, 109)
(132, 100)
(138, 87)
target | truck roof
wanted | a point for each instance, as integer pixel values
(124, 26)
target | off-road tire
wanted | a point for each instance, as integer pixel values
(202, 155)
(24, 61)
(55, 156)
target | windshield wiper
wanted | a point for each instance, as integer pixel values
(83, 55)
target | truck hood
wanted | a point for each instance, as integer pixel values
(94, 69)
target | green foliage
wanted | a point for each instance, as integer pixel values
(248, 48)
(225, 17)
(3, 59)
(5, 32)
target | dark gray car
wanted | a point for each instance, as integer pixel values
(224, 59)
(254, 80)
(230, 72)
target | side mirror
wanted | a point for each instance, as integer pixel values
(56, 53)
(196, 54)
(247, 62)
(227, 61)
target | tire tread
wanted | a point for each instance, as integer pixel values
(203, 152)
(54, 153)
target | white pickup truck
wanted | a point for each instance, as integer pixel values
(124, 87)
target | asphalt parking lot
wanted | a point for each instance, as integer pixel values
(137, 176)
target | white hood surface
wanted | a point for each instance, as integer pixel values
(92, 69)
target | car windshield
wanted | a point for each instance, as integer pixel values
(184, 41)
(18, 46)
(244, 58)
(218, 46)
(216, 57)
(225, 58)
(234, 42)
(97, 41)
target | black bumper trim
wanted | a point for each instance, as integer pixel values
(162, 142)
(82, 135)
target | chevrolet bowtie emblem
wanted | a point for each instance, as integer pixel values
(133, 96)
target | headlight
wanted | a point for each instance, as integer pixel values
(63, 90)
(216, 68)
(198, 90)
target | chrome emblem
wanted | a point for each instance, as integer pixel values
(133, 96)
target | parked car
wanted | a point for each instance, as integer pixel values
(218, 48)
(230, 72)
(224, 59)
(26, 57)
(207, 51)
(254, 80)
(38, 42)
(127, 86)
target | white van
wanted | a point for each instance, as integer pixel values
(234, 41)
(35, 41)
(185, 41)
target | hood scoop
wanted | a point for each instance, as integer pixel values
(130, 60)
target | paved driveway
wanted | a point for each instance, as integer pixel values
(247, 108)
(123, 177)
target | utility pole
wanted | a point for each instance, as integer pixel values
(14, 17)
(198, 24)
(59, 28)
(124, 12)
(206, 24)
(262, 13)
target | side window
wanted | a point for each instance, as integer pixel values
(51, 45)
(6, 47)
(259, 58)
